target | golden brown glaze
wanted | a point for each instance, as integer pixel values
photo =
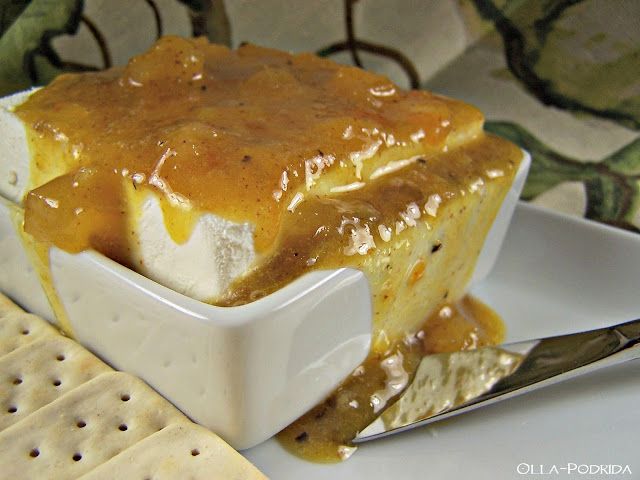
(332, 165)
(218, 130)
(330, 231)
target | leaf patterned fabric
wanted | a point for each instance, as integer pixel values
(559, 77)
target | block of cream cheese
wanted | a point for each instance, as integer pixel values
(251, 179)
(217, 252)
(16, 164)
(201, 162)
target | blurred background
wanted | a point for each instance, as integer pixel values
(559, 77)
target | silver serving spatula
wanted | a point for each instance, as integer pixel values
(453, 383)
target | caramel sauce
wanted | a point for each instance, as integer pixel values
(323, 231)
(331, 165)
(38, 254)
(325, 433)
(237, 133)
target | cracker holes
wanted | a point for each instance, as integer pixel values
(56, 383)
(25, 331)
(123, 427)
(77, 457)
(12, 409)
(60, 357)
(81, 424)
(34, 453)
(195, 452)
(17, 381)
(125, 397)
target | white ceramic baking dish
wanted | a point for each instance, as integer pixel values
(245, 372)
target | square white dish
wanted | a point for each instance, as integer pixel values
(245, 372)
(555, 274)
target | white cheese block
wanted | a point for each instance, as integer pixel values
(14, 167)
(217, 252)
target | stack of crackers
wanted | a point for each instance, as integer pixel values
(66, 414)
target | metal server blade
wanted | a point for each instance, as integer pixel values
(453, 383)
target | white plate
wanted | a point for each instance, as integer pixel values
(556, 274)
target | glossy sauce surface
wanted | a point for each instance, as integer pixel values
(324, 161)
(362, 228)
(237, 133)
